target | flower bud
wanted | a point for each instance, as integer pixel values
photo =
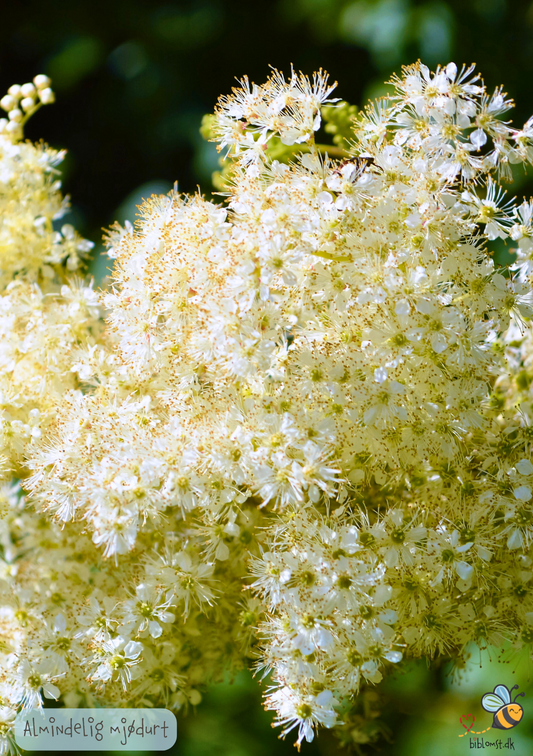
(47, 96)
(41, 81)
(13, 128)
(27, 90)
(8, 102)
(16, 115)
(28, 103)
(14, 91)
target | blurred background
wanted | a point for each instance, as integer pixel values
(133, 79)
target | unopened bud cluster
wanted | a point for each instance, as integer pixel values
(301, 437)
(21, 101)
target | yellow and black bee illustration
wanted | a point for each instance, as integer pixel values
(507, 713)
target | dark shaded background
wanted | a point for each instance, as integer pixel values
(133, 79)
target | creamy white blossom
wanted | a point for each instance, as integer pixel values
(318, 390)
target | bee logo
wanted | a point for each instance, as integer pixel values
(507, 713)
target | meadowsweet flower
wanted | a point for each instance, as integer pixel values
(246, 120)
(319, 389)
(32, 682)
(7, 720)
(117, 658)
(147, 611)
(305, 714)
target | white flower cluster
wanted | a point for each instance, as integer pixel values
(320, 390)
(252, 115)
(45, 313)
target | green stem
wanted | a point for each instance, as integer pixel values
(28, 115)
(335, 258)
(325, 149)
(333, 150)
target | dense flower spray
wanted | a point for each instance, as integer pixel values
(299, 436)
